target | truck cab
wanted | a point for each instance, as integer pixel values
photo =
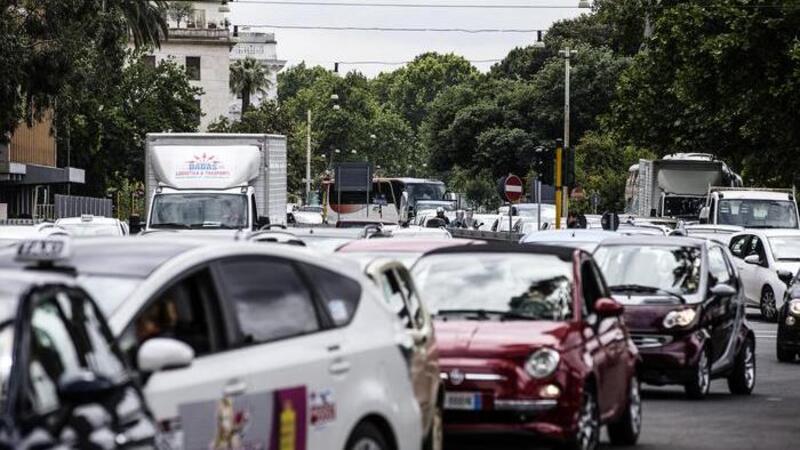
(751, 208)
(227, 209)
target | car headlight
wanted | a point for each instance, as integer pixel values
(794, 307)
(542, 363)
(682, 318)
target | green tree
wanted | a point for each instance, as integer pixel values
(248, 77)
(411, 89)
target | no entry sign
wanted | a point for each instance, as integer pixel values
(513, 188)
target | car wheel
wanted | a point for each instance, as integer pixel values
(435, 438)
(769, 310)
(626, 430)
(367, 436)
(587, 435)
(700, 383)
(743, 379)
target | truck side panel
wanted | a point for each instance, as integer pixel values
(272, 188)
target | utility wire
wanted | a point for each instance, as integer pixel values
(395, 30)
(404, 5)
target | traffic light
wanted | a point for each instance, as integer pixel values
(568, 171)
(545, 165)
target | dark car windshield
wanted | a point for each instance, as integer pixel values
(186, 211)
(659, 267)
(515, 286)
(750, 213)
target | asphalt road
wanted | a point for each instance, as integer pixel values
(768, 419)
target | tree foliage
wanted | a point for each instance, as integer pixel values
(249, 76)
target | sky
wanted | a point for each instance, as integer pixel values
(324, 47)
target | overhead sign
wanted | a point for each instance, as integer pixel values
(353, 177)
(512, 188)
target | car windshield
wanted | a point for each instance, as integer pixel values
(88, 229)
(501, 285)
(651, 268)
(364, 258)
(109, 292)
(424, 191)
(785, 248)
(750, 213)
(188, 211)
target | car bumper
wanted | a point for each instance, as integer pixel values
(509, 401)
(789, 333)
(670, 362)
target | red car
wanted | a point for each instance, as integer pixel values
(530, 341)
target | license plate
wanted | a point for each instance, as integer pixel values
(463, 401)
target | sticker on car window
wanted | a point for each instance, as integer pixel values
(338, 310)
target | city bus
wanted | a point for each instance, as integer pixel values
(383, 204)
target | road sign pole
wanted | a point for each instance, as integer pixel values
(538, 200)
(559, 196)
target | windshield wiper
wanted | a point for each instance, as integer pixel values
(646, 289)
(171, 225)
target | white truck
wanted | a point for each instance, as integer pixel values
(676, 185)
(751, 208)
(212, 182)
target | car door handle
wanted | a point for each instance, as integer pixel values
(339, 367)
(235, 388)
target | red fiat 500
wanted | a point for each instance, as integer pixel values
(530, 341)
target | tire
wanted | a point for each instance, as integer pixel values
(768, 305)
(367, 436)
(435, 438)
(587, 434)
(743, 379)
(625, 431)
(697, 388)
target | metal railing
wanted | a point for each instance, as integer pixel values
(200, 33)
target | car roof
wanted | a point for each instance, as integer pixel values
(571, 235)
(754, 195)
(123, 256)
(401, 245)
(655, 240)
(771, 232)
(562, 252)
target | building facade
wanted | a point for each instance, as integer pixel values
(29, 176)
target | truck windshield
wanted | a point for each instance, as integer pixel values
(750, 213)
(683, 207)
(192, 211)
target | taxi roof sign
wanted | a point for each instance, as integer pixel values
(43, 250)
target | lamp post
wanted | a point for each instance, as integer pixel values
(567, 54)
(335, 99)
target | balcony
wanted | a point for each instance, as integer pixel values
(204, 35)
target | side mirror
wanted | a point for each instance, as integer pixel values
(404, 207)
(84, 387)
(785, 276)
(705, 213)
(607, 307)
(723, 290)
(262, 221)
(160, 354)
(134, 224)
(753, 259)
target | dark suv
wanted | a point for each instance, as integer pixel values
(788, 342)
(684, 306)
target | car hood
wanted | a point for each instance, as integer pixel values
(308, 217)
(476, 338)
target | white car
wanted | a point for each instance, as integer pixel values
(10, 235)
(239, 348)
(767, 261)
(308, 215)
(93, 226)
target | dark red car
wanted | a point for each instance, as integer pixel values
(530, 341)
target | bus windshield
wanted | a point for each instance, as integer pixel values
(424, 191)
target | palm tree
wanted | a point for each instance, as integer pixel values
(146, 21)
(249, 76)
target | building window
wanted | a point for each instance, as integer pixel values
(149, 60)
(199, 105)
(193, 67)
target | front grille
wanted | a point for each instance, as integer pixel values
(650, 340)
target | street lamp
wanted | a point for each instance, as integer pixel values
(334, 98)
(567, 54)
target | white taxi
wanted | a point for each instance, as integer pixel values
(244, 345)
(93, 226)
